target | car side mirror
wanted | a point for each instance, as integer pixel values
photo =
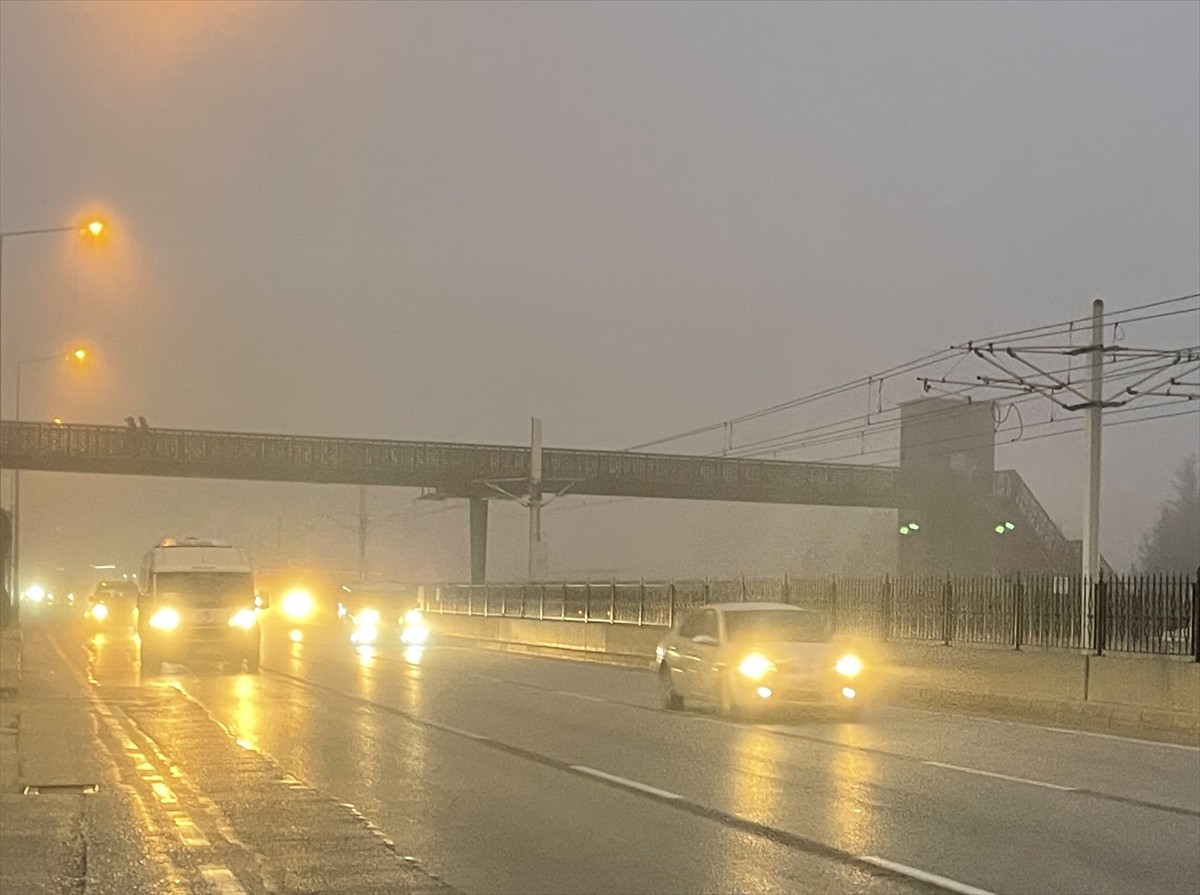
(705, 640)
(262, 600)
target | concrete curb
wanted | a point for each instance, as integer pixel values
(10, 661)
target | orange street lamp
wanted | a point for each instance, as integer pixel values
(14, 610)
(93, 228)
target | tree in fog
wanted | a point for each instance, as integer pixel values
(1173, 545)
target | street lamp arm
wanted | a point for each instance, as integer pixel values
(25, 361)
(32, 232)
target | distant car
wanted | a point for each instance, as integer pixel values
(112, 604)
(382, 613)
(745, 657)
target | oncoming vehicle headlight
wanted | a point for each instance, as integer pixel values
(848, 665)
(165, 619)
(244, 619)
(99, 612)
(298, 604)
(413, 617)
(368, 618)
(364, 634)
(36, 593)
(414, 634)
(756, 666)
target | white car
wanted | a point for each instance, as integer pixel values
(752, 656)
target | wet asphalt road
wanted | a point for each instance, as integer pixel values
(503, 773)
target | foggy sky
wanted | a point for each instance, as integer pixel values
(432, 221)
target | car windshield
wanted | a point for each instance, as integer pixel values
(206, 587)
(776, 626)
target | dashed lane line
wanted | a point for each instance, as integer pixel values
(1042, 783)
(933, 879)
(785, 838)
(222, 880)
(626, 782)
(219, 876)
(871, 750)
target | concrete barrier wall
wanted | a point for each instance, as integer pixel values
(1153, 681)
(1158, 691)
(1009, 673)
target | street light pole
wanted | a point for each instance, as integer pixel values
(95, 228)
(16, 513)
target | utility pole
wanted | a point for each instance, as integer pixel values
(535, 500)
(1091, 519)
(1135, 374)
(362, 534)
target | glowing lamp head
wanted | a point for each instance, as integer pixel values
(94, 228)
(99, 612)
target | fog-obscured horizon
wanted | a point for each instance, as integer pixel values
(434, 221)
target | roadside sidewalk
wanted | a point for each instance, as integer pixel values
(120, 790)
(66, 822)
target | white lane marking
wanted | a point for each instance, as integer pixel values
(622, 781)
(1026, 780)
(1112, 736)
(222, 880)
(462, 733)
(1133, 741)
(942, 882)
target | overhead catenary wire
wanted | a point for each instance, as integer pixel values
(1066, 325)
(1118, 317)
(592, 503)
(786, 444)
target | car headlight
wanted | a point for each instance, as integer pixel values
(364, 634)
(36, 593)
(298, 604)
(165, 619)
(368, 618)
(756, 666)
(99, 612)
(413, 617)
(848, 665)
(414, 634)
(244, 619)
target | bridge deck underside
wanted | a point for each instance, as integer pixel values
(455, 470)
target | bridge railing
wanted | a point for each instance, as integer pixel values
(1008, 484)
(1128, 613)
(457, 469)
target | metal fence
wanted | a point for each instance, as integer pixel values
(1124, 613)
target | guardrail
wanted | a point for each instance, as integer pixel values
(1158, 614)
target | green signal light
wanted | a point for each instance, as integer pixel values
(904, 529)
(1009, 526)
(1000, 529)
(914, 527)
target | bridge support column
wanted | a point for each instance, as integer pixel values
(479, 520)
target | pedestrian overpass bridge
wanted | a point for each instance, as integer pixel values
(481, 471)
